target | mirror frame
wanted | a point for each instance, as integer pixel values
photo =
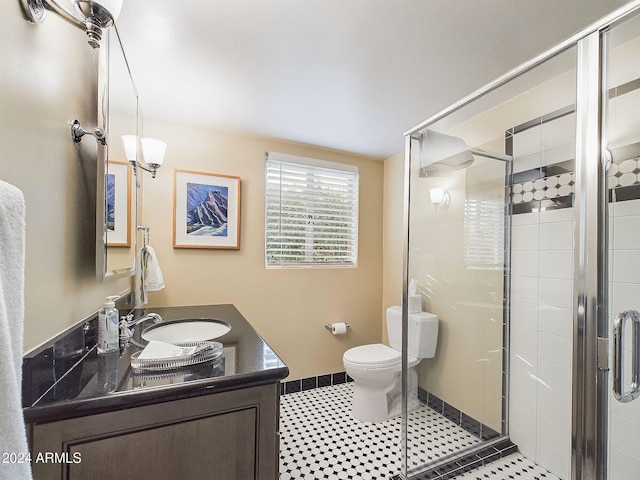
(104, 71)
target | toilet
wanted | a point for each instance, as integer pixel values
(376, 368)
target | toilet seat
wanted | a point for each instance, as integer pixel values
(375, 355)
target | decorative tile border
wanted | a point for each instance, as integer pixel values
(557, 191)
(549, 117)
(546, 188)
(309, 383)
(552, 186)
(624, 174)
(466, 463)
(624, 88)
(622, 194)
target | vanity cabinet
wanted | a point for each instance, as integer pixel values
(223, 436)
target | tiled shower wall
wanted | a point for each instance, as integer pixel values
(623, 140)
(541, 321)
(542, 290)
(624, 294)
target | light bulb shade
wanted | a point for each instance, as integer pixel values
(130, 143)
(153, 151)
(112, 6)
(97, 8)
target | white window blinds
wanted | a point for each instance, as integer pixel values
(311, 212)
(484, 232)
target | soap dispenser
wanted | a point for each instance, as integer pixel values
(108, 335)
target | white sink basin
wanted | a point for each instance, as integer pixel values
(187, 330)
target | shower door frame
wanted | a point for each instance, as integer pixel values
(590, 347)
(589, 432)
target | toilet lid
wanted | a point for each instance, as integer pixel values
(375, 354)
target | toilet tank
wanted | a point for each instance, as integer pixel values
(423, 332)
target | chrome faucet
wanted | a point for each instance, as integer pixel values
(128, 323)
(132, 323)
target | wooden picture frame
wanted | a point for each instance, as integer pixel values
(206, 210)
(117, 208)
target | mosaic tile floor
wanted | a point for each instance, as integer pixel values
(320, 440)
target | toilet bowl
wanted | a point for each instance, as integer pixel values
(376, 368)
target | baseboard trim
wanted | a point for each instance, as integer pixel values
(470, 424)
(310, 383)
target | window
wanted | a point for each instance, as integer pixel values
(484, 232)
(311, 212)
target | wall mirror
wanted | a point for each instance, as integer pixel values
(116, 205)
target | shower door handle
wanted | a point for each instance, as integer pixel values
(618, 356)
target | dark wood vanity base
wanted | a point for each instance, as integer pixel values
(183, 426)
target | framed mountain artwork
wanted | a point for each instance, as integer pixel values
(206, 210)
(117, 208)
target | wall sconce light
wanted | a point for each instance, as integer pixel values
(439, 197)
(152, 150)
(93, 15)
(77, 132)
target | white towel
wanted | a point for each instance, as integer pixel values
(12, 244)
(149, 277)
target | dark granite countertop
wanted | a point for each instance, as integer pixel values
(69, 378)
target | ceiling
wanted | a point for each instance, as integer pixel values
(348, 75)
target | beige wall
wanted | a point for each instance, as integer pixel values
(48, 74)
(43, 84)
(393, 236)
(288, 307)
(467, 300)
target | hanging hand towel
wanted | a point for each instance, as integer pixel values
(153, 275)
(12, 244)
(149, 278)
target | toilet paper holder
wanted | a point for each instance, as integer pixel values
(328, 326)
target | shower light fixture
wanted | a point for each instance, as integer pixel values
(441, 154)
(439, 197)
(152, 150)
(93, 15)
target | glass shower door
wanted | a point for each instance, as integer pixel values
(489, 250)
(457, 264)
(490, 241)
(622, 142)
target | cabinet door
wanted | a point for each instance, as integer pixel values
(225, 436)
(218, 446)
